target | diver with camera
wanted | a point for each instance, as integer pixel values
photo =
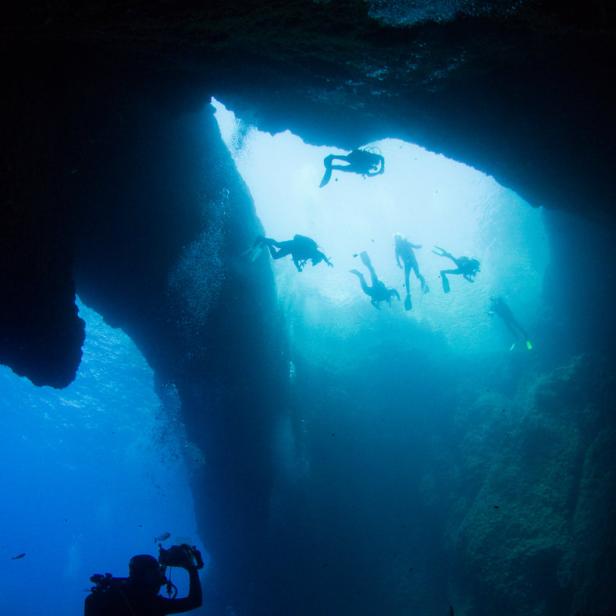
(138, 594)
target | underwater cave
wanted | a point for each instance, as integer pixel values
(163, 374)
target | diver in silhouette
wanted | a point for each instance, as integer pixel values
(465, 266)
(377, 292)
(138, 595)
(359, 161)
(301, 248)
(406, 255)
(499, 307)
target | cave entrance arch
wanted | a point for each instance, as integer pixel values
(425, 196)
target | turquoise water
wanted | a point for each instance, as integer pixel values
(91, 474)
(428, 198)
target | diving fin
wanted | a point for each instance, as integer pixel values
(446, 287)
(365, 259)
(407, 303)
(529, 345)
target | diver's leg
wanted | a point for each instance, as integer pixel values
(365, 258)
(328, 161)
(424, 285)
(407, 277)
(520, 333)
(408, 304)
(362, 281)
(327, 176)
(446, 287)
(278, 250)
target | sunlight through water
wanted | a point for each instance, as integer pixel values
(431, 200)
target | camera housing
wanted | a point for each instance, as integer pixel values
(177, 555)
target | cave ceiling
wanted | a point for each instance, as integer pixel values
(521, 90)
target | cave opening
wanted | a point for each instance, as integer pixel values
(398, 423)
(430, 199)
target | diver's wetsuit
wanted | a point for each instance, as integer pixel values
(499, 307)
(358, 161)
(129, 600)
(301, 249)
(465, 266)
(406, 255)
(377, 292)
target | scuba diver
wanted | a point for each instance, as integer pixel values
(466, 266)
(301, 248)
(405, 255)
(499, 307)
(378, 292)
(360, 161)
(138, 594)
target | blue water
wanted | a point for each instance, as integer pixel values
(394, 422)
(91, 474)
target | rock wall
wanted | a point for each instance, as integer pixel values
(531, 527)
(122, 190)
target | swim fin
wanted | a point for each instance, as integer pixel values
(407, 303)
(327, 176)
(529, 345)
(365, 259)
(446, 287)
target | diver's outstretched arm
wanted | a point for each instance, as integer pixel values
(190, 602)
(324, 258)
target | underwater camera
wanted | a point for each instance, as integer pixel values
(176, 556)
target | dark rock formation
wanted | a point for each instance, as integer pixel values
(116, 183)
(522, 93)
(162, 259)
(123, 189)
